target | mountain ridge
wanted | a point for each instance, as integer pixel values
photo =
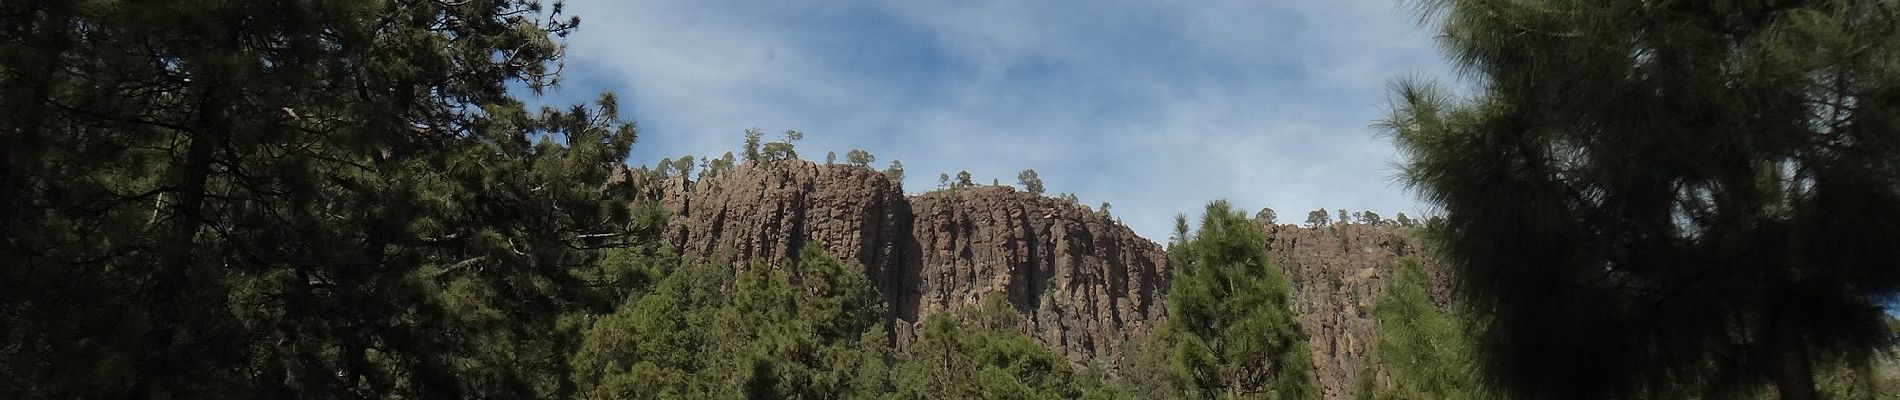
(1086, 286)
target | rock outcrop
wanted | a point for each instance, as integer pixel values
(1084, 284)
(1338, 273)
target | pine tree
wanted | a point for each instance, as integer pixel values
(1706, 190)
(1422, 350)
(685, 166)
(1317, 218)
(859, 158)
(895, 172)
(752, 137)
(1230, 331)
(285, 200)
(1031, 183)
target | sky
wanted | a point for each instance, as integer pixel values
(1156, 107)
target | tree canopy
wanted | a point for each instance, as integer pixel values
(1708, 190)
(1230, 332)
(295, 199)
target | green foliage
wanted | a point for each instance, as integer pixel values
(775, 152)
(295, 199)
(980, 353)
(963, 180)
(1031, 183)
(752, 137)
(1267, 215)
(685, 166)
(1423, 350)
(1230, 332)
(808, 329)
(895, 172)
(1704, 189)
(859, 158)
(1318, 218)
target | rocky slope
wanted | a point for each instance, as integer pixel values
(1084, 284)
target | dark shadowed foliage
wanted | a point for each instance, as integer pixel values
(1663, 198)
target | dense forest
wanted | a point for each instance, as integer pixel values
(353, 199)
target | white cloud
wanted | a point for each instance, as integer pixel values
(1155, 107)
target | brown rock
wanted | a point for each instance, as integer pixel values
(1338, 273)
(1084, 284)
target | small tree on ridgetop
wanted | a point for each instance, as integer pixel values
(1317, 218)
(1370, 218)
(752, 136)
(783, 150)
(943, 181)
(664, 168)
(685, 166)
(831, 157)
(896, 172)
(1267, 215)
(1031, 183)
(963, 179)
(859, 158)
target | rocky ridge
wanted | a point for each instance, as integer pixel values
(1084, 284)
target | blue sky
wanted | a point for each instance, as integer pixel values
(1154, 106)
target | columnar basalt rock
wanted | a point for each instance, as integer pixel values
(1084, 284)
(769, 211)
(1338, 273)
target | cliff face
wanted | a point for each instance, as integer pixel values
(755, 212)
(1338, 273)
(1084, 284)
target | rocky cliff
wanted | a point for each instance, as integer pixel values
(1084, 284)
(1338, 273)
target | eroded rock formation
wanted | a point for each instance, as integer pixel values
(1084, 283)
(1338, 273)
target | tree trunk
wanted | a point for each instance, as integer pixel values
(1793, 371)
(1794, 377)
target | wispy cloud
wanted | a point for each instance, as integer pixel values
(1156, 107)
